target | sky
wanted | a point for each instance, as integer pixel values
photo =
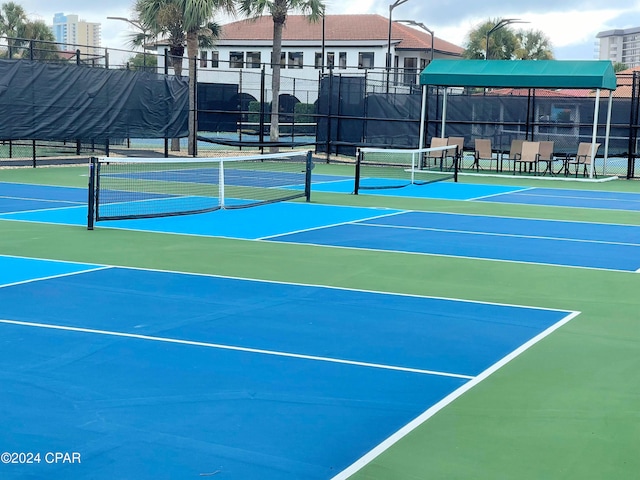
(571, 25)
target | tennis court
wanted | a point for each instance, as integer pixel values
(551, 242)
(367, 337)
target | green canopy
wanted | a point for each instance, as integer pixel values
(587, 74)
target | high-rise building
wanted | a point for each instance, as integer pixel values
(621, 46)
(77, 34)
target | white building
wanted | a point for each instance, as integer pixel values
(621, 46)
(77, 34)
(347, 44)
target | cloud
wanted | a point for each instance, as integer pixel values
(569, 23)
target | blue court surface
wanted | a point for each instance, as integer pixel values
(573, 244)
(437, 190)
(550, 242)
(149, 374)
(495, 193)
(571, 198)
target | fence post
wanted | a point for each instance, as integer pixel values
(194, 133)
(262, 109)
(166, 72)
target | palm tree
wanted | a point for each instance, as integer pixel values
(534, 45)
(278, 9)
(12, 20)
(40, 41)
(184, 22)
(502, 43)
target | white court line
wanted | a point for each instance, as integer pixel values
(321, 227)
(464, 257)
(524, 189)
(63, 187)
(493, 234)
(576, 197)
(605, 209)
(299, 284)
(234, 348)
(51, 277)
(431, 411)
(76, 206)
(46, 200)
(484, 215)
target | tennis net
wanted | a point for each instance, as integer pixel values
(130, 188)
(379, 168)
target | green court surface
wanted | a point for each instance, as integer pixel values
(567, 408)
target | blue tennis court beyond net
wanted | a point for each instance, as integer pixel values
(169, 375)
(548, 242)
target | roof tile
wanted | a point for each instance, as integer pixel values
(337, 27)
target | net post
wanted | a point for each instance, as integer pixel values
(413, 168)
(221, 183)
(307, 177)
(91, 198)
(456, 165)
(356, 180)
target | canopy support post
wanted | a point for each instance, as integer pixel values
(608, 131)
(423, 111)
(594, 134)
(444, 113)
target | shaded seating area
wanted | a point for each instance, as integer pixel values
(546, 156)
(439, 158)
(529, 157)
(435, 158)
(593, 75)
(583, 158)
(458, 142)
(514, 152)
(483, 151)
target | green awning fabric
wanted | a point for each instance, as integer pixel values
(587, 74)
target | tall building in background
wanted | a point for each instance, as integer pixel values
(621, 46)
(77, 34)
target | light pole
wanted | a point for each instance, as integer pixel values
(139, 26)
(422, 26)
(502, 23)
(388, 62)
(323, 42)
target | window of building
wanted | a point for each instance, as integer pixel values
(318, 60)
(365, 59)
(410, 70)
(253, 59)
(295, 59)
(342, 60)
(215, 59)
(236, 59)
(203, 59)
(331, 59)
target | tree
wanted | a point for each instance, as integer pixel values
(534, 45)
(143, 62)
(26, 39)
(12, 20)
(505, 44)
(278, 9)
(619, 67)
(183, 22)
(38, 40)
